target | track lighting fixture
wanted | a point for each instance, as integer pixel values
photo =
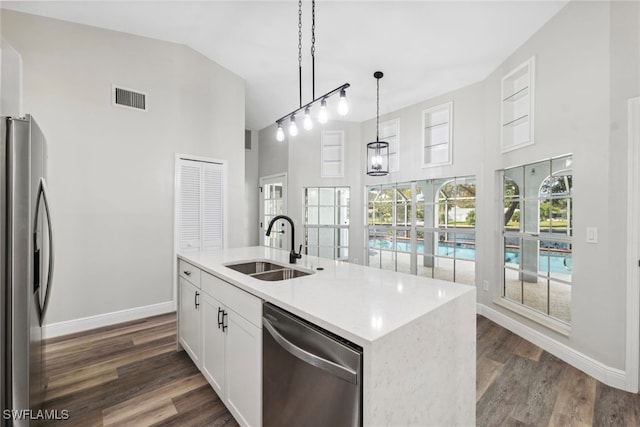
(343, 108)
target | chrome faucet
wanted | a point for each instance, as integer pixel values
(293, 256)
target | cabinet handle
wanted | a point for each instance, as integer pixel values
(220, 311)
(187, 272)
(195, 299)
(224, 324)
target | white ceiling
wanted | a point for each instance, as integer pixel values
(424, 48)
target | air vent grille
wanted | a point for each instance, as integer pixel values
(247, 139)
(129, 98)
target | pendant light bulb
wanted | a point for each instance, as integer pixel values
(293, 129)
(376, 161)
(280, 133)
(308, 123)
(322, 115)
(343, 108)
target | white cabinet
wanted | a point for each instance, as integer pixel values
(214, 343)
(189, 323)
(232, 351)
(243, 356)
(220, 327)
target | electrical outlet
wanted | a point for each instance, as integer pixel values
(485, 285)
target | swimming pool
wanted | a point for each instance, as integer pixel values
(558, 262)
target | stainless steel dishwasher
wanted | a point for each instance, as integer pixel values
(311, 377)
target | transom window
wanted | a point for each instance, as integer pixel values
(537, 239)
(326, 222)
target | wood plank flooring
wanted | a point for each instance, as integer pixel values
(131, 375)
(519, 384)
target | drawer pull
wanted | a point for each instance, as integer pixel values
(224, 324)
(220, 311)
(187, 272)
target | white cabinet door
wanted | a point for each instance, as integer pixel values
(189, 320)
(214, 343)
(244, 370)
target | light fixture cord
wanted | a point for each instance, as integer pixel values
(313, 49)
(300, 49)
(377, 109)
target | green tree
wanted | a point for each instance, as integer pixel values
(471, 217)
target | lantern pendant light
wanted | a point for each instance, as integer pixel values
(378, 151)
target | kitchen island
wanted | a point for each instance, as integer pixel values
(418, 334)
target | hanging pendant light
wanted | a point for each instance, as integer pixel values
(280, 133)
(378, 151)
(343, 108)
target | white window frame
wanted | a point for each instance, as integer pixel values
(324, 142)
(448, 107)
(393, 229)
(545, 319)
(276, 240)
(318, 226)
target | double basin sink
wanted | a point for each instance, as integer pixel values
(268, 271)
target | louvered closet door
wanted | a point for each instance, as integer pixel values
(212, 206)
(201, 207)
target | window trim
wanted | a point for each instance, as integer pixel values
(340, 134)
(319, 226)
(394, 165)
(546, 319)
(414, 228)
(448, 106)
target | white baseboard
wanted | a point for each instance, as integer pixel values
(100, 320)
(603, 373)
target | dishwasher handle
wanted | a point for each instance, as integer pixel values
(310, 358)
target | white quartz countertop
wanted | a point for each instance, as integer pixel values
(359, 303)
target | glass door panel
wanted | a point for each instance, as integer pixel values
(273, 203)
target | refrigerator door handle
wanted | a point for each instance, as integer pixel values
(43, 194)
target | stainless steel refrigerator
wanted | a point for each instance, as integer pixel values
(26, 266)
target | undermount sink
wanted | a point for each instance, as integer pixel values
(282, 274)
(254, 267)
(267, 271)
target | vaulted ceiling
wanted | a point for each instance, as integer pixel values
(424, 48)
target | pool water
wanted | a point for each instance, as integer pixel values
(558, 263)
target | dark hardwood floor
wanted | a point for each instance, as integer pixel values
(131, 375)
(519, 384)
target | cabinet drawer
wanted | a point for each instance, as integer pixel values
(243, 303)
(189, 272)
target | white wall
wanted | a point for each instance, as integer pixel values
(306, 149)
(251, 191)
(587, 66)
(468, 122)
(305, 172)
(274, 156)
(111, 170)
(10, 80)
